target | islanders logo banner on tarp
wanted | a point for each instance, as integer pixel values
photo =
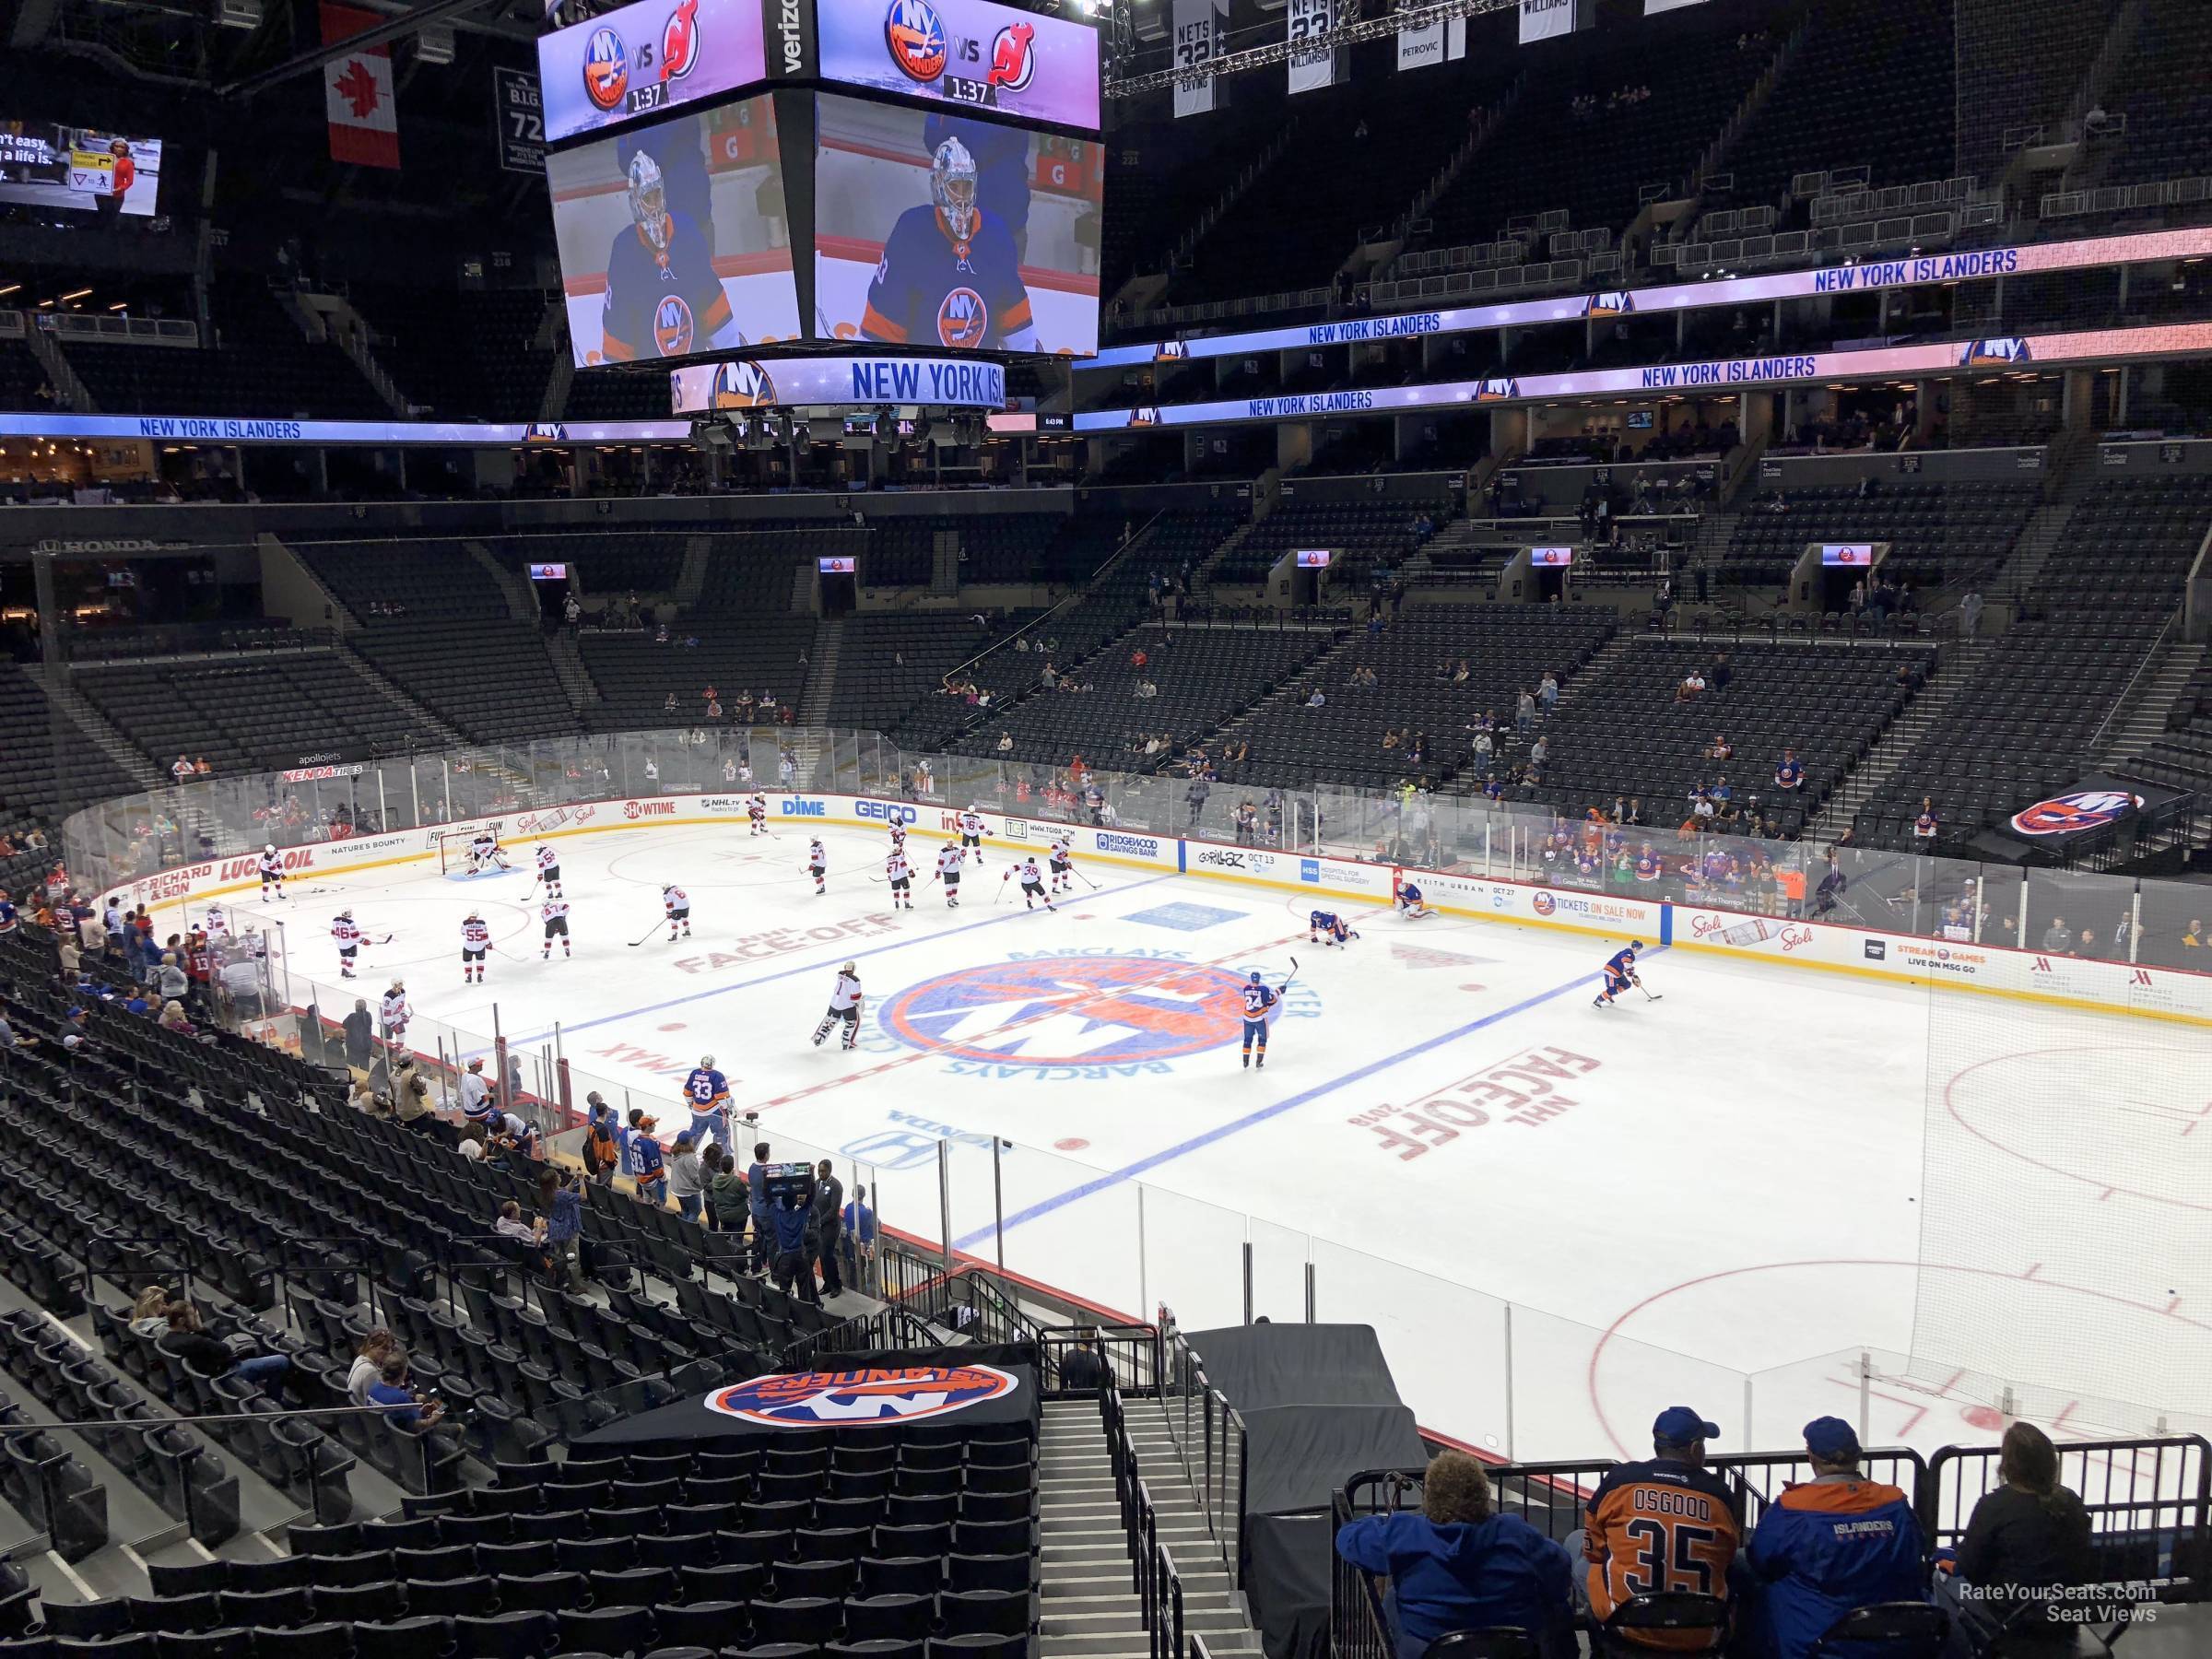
(867, 1394)
(2097, 803)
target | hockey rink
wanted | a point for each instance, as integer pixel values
(1559, 1218)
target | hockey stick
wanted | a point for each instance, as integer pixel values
(1649, 995)
(1289, 979)
(385, 940)
(1086, 880)
(648, 933)
(1002, 886)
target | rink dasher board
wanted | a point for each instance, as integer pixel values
(2162, 993)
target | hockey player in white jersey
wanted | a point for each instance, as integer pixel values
(553, 912)
(475, 940)
(486, 853)
(972, 834)
(1062, 864)
(949, 859)
(549, 871)
(346, 933)
(271, 873)
(817, 865)
(844, 1004)
(755, 812)
(675, 904)
(394, 1012)
(898, 838)
(1032, 884)
(900, 874)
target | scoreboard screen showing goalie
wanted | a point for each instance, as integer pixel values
(672, 237)
(940, 229)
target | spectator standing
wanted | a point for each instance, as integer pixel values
(1970, 615)
(791, 1226)
(755, 1180)
(2058, 938)
(602, 1149)
(560, 1201)
(1459, 1565)
(1833, 1544)
(859, 1231)
(1081, 1367)
(648, 1168)
(729, 1199)
(829, 1222)
(1524, 712)
(685, 1180)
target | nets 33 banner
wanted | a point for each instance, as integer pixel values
(1197, 41)
(966, 51)
(1548, 20)
(1310, 69)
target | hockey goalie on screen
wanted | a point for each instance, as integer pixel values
(950, 274)
(663, 297)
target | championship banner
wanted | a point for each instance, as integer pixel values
(1424, 44)
(1547, 20)
(837, 382)
(356, 93)
(1307, 20)
(1198, 40)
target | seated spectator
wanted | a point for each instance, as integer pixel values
(2058, 938)
(1837, 1542)
(2025, 1539)
(1719, 748)
(149, 1313)
(203, 1353)
(404, 1409)
(1458, 1565)
(1670, 1507)
(172, 1020)
(1316, 700)
(510, 1224)
(2194, 939)
(376, 1347)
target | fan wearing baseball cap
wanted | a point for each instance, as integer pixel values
(1835, 1543)
(1666, 1524)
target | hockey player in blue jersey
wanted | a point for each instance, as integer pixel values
(1406, 898)
(950, 274)
(707, 1092)
(663, 297)
(1258, 999)
(1002, 165)
(1619, 974)
(1326, 927)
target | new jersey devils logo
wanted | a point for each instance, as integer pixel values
(915, 36)
(2070, 814)
(679, 42)
(962, 320)
(1013, 63)
(673, 325)
(605, 69)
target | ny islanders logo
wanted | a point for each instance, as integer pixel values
(914, 35)
(743, 384)
(1995, 353)
(2071, 814)
(673, 325)
(679, 42)
(873, 1395)
(963, 319)
(605, 69)
(1497, 390)
(1013, 63)
(1609, 305)
(1072, 1010)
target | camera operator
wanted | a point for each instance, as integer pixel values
(791, 1225)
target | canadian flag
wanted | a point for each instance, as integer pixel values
(356, 93)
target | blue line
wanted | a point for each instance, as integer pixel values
(1238, 1125)
(567, 1030)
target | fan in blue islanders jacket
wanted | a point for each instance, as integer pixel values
(1840, 1541)
(1456, 1565)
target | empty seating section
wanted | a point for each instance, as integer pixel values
(1353, 160)
(888, 663)
(1506, 649)
(410, 576)
(611, 394)
(1546, 156)
(1360, 534)
(2020, 62)
(257, 714)
(752, 571)
(1870, 86)
(1205, 676)
(464, 356)
(2182, 757)
(48, 767)
(22, 379)
(636, 676)
(489, 679)
(261, 364)
(611, 564)
(2161, 90)
(1055, 547)
(1939, 534)
(1625, 735)
(2022, 726)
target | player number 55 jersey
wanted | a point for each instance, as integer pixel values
(476, 934)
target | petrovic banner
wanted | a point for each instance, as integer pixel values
(1422, 44)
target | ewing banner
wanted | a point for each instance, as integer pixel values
(1197, 39)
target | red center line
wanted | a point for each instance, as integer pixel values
(1168, 970)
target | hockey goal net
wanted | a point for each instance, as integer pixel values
(453, 843)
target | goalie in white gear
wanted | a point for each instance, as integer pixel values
(844, 1004)
(486, 853)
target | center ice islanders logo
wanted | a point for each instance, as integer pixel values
(874, 1395)
(915, 36)
(1070, 1010)
(2070, 814)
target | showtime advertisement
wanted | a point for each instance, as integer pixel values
(970, 53)
(641, 59)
